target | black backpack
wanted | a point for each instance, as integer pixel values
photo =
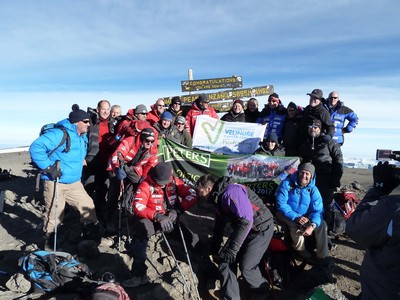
(50, 270)
(66, 138)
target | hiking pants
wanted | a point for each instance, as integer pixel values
(249, 257)
(298, 240)
(74, 194)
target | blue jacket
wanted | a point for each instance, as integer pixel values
(71, 162)
(295, 201)
(339, 115)
(275, 120)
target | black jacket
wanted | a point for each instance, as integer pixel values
(231, 117)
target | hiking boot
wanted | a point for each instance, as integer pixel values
(136, 281)
(304, 253)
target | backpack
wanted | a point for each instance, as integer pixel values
(66, 138)
(50, 270)
(109, 291)
(346, 202)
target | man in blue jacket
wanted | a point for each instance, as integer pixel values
(299, 205)
(252, 228)
(339, 115)
(62, 171)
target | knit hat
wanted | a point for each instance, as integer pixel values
(273, 95)
(141, 109)
(176, 100)
(77, 114)
(161, 173)
(180, 119)
(166, 115)
(317, 93)
(272, 137)
(292, 105)
(146, 133)
(203, 98)
(238, 101)
(316, 122)
(308, 167)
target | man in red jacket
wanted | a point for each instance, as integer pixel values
(201, 106)
(157, 204)
(156, 111)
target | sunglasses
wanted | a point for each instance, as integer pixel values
(313, 127)
(144, 114)
(149, 141)
(290, 109)
(86, 121)
(180, 123)
(334, 97)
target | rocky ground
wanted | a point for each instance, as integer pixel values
(20, 233)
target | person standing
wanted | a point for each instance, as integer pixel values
(252, 113)
(156, 111)
(175, 107)
(375, 225)
(62, 171)
(274, 115)
(252, 228)
(179, 133)
(292, 130)
(201, 106)
(115, 111)
(236, 113)
(339, 114)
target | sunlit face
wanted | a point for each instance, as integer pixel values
(180, 126)
(160, 106)
(83, 126)
(115, 112)
(270, 145)
(273, 102)
(333, 98)
(314, 101)
(141, 116)
(314, 131)
(237, 108)
(304, 178)
(147, 142)
(165, 123)
(176, 106)
(205, 104)
(252, 105)
(104, 109)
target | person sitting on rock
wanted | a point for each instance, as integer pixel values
(300, 207)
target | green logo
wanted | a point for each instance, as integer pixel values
(213, 132)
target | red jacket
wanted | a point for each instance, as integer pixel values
(149, 197)
(153, 116)
(196, 111)
(127, 150)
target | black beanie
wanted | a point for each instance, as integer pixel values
(272, 137)
(161, 173)
(146, 133)
(77, 114)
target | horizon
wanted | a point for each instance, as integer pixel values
(57, 54)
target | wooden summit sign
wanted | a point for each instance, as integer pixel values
(211, 84)
(226, 95)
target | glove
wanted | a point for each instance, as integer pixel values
(228, 255)
(120, 174)
(345, 130)
(53, 171)
(384, 179)
(173, 215)
(165, 221)
(327, 137)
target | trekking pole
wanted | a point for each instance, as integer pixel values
(189, 262)
(177, 265)
(121, 192)
(56, 208)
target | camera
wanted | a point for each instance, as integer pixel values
(384, 154)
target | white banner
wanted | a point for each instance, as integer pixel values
(217, 136)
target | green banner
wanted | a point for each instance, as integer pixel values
(259, 172)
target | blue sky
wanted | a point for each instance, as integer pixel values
(56, 53)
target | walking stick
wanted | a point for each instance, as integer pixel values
(190, 264)
(177, 265)
(56, 208)
(121, 193)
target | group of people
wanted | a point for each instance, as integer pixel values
(109, 152)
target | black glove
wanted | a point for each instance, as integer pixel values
(120, 174)
(165, 222)
(173, 215)
(228, 255)
(384, 179)
(53, 171)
